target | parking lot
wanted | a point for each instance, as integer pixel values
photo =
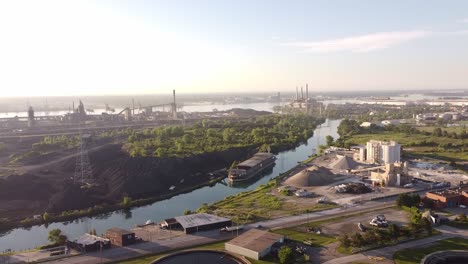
(349, 224)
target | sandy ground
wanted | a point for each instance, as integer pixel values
(153, 233)
(349, 225)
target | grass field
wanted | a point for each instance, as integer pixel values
(411, 144)
(258, 205)
(414, 255)
(315, 239)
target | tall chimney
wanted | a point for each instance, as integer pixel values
(307, 91)
(302, 93)
(174, 106)
(297, 93)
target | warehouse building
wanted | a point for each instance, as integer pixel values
(120, 237)
(449, 198)
(254, 243)
(196, 222)
(88, 242)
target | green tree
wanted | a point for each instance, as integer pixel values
(285, 255)
(408, 200)
(46, 217)
(357, 240)
(56, 237)
(187, 212)
(329, 140)
(126, 201)
(462, 218)
(437, 132)
(228, 135)
(426, 224)
(344, 240)
(394, 231)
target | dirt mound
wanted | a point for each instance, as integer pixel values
(73, 196)
(24, 195)
(344, 163)
(312, 176)
(116, 174)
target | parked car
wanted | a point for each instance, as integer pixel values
(361, 227)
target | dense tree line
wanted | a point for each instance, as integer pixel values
(50, 143)
(375, 112)
(276, 132)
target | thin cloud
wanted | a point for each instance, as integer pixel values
(464, 21)
(363, 43)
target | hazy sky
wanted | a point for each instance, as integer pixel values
(127, 47)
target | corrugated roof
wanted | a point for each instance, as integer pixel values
(88, 239)
(193, 220)
(256, 240)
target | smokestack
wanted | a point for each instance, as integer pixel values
(73, 107)
(297, 93)
(133, 106)
(174, 106)
(302, 93)
(307, 91)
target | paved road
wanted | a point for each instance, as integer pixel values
(200, 238)
(387, 252)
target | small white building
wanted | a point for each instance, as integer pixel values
(254, 243)
(366, 124)
(390, 122)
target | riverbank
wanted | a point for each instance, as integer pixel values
(20, 239)
(265, 202)
(5, 225)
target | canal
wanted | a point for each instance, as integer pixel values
(26, 238)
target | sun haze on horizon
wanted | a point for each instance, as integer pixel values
(54, 48)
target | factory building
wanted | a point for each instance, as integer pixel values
(196, 222)
(448, 198)
(254, 243)
(382, 152)
(120, 237)
(394, 174)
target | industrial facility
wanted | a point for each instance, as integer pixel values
(303, 103)
(453, 197)
(88, 242)
(120, 237)
(392, 174)
(382, 152)
(196, 222)
(254, 243)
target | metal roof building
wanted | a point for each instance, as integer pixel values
(198, 222)
(254, 243)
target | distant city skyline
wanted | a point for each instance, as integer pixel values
(56, 48)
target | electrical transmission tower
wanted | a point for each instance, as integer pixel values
(83, 170)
